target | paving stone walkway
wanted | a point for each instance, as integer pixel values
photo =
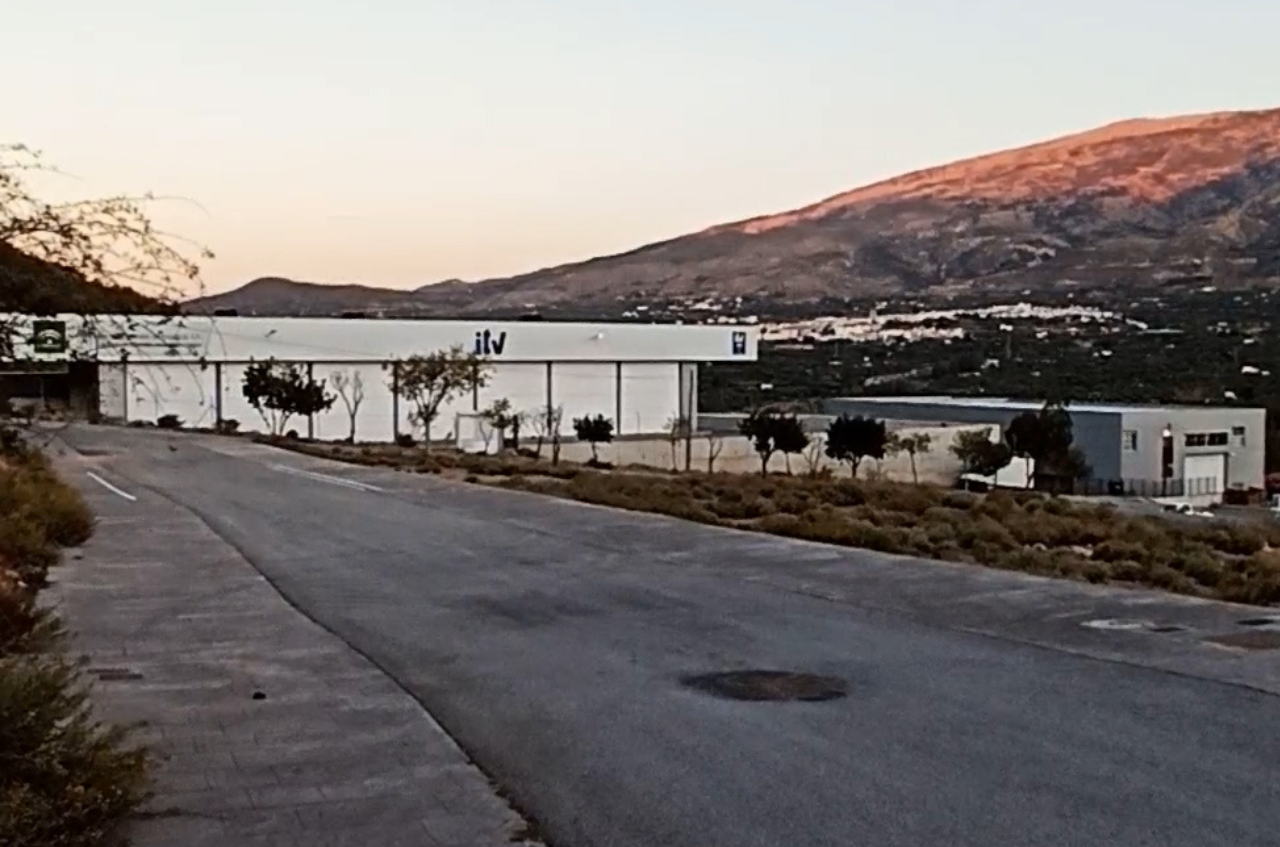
(267, 729)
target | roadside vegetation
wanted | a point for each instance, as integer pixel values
(1033, 532)
(65, 778)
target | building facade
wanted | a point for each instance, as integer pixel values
(640, 376)
(1175, 451)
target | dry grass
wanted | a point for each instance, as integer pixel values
(1024, 531)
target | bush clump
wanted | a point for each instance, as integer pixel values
(65, 778)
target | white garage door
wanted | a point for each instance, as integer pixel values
(1205, 475)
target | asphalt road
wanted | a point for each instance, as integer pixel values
(551, 638)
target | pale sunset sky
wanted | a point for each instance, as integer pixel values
(401, 142)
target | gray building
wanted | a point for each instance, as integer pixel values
(1191, 451)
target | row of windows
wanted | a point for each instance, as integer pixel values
(1129, 438)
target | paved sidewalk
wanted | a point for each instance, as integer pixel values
(268, 730)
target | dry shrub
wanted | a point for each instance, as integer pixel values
(67, 779)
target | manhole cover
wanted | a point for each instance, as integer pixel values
(1249, 640)
(768, 685)
(115, 674)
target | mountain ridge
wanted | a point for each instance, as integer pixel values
(1145, 203)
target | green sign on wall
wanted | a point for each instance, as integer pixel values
(48, 337)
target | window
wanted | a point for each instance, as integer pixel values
(1129, 440)
(1206, 439)
(1217, 439)
(1237, 432)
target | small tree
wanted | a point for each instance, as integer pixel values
(853, 439)
(978, 454)
(278, 391)
(715, 445)
(497, 418)
(789, 437)
(430, 381)
(595, 431)
(350, 388)
(678, 432)
(911, 445)
(760, 428)
(1044, 437)
(813, 455)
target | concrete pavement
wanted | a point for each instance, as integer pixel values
(268, 729)
(550, 638)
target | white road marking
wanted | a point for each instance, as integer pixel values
(125, 494)
(332, 480)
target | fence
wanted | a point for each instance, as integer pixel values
(1195, 487)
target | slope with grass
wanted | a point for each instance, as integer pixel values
(67, 779)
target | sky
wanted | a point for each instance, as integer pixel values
(403, 142)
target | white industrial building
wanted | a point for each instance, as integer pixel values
(139, 368)
(1194, 452)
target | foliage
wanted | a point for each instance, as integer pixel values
(350, 388)
(853, 439)
(227, 426)
(1045, 438)
(66, 779)
(280, 390)
(912, 445)
(83, 257)
(978, 454)
(169, 421)
(499, 418)
(545, 422)
(771, 431)
(595, 431)
(432, 380)
(789, 437)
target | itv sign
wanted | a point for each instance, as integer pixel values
(490, 344)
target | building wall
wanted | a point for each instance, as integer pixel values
(1245, 456)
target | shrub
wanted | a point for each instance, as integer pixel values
(67, 780)
(404, 439)
(227, 426)
(169, 421)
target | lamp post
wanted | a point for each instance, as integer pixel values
(1166, 459)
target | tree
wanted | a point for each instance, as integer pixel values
(715, 445)
(351, 389)
(978, 454)
(911, 445)
(813, 454)
(853, 439)
(101, 260)
(760, 427)
(278, 391)
(1044, 437)
(595, 431)
(498, 418)
(428, 382)
(789, 437)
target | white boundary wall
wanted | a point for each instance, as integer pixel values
(638, 375)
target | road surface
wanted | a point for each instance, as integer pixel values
(551, 640)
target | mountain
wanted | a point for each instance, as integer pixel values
(31, 285)
(1142, 205)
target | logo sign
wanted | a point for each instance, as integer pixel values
(48, 338)
(739, 344)
(488, 344)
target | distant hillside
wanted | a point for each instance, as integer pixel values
(33, 286)
(1137, 206)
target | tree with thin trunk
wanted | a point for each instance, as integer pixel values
(595, 431)
(496, 420)
(429, 381)
(854, 439)
(350, 388)
(911, 445)
(789, 437)
(678, 432)
(279, 391)
(715, 445)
